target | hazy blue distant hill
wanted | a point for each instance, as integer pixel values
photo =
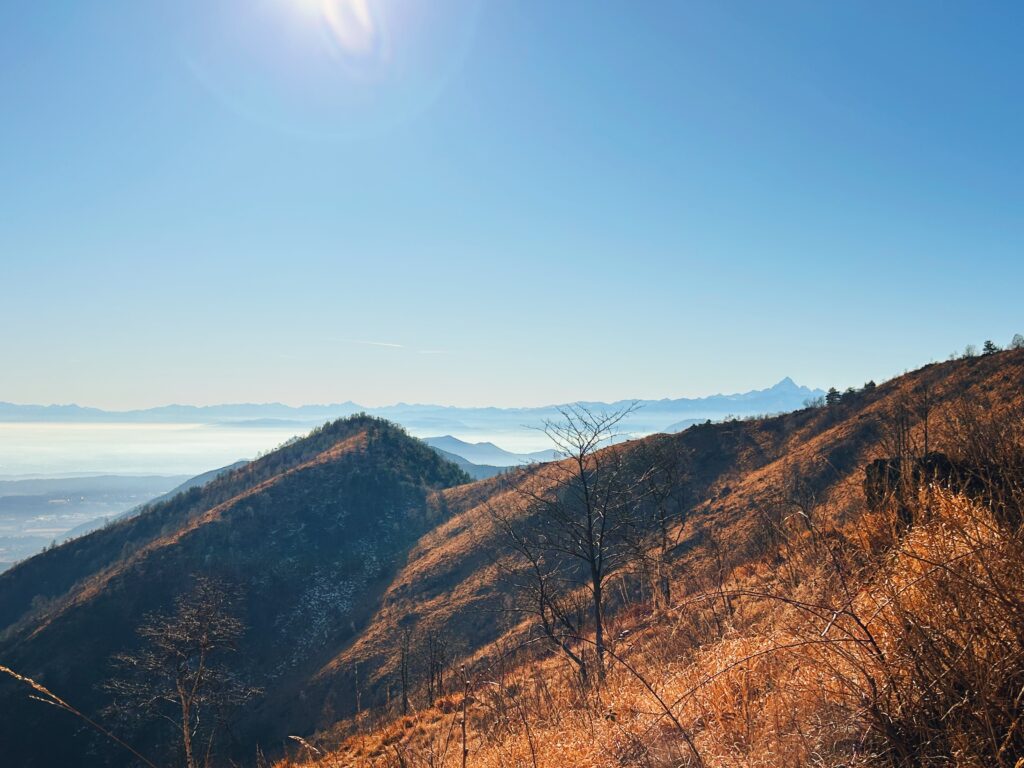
(486, 453)
(92, 485)
(679, 426)
(475, 471)
(177, 414)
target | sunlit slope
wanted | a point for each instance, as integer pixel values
(736, 471)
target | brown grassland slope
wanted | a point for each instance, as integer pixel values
(806, 626)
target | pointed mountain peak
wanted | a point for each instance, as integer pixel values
(786, 383)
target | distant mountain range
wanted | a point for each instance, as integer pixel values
(422, 420)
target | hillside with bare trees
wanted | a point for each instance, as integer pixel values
(837, 586)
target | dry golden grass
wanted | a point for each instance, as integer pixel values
(774, 680)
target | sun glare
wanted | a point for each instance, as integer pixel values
(353, 25)
(329, 67)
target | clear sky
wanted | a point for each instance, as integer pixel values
(505, 203)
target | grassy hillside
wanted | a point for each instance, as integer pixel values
(806, 627)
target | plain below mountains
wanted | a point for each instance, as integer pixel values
(37, 511)
(187, 485)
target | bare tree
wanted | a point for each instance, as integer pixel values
(661, 482)
(543, 590)
(437, 659)
(359, 696)
(924, 405)
(897, 439)
(403, 666)
(177, 675)
(907, 443)
(575, 528)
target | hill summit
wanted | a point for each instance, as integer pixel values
(308, 535)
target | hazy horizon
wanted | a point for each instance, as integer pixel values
(388, 404)
(187, 443)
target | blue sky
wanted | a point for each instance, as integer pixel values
(516, 203)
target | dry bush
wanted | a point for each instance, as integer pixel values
(948, 618)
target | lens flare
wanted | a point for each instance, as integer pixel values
(353, 25)
(356, 30)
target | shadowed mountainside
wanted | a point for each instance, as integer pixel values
(310, 533)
